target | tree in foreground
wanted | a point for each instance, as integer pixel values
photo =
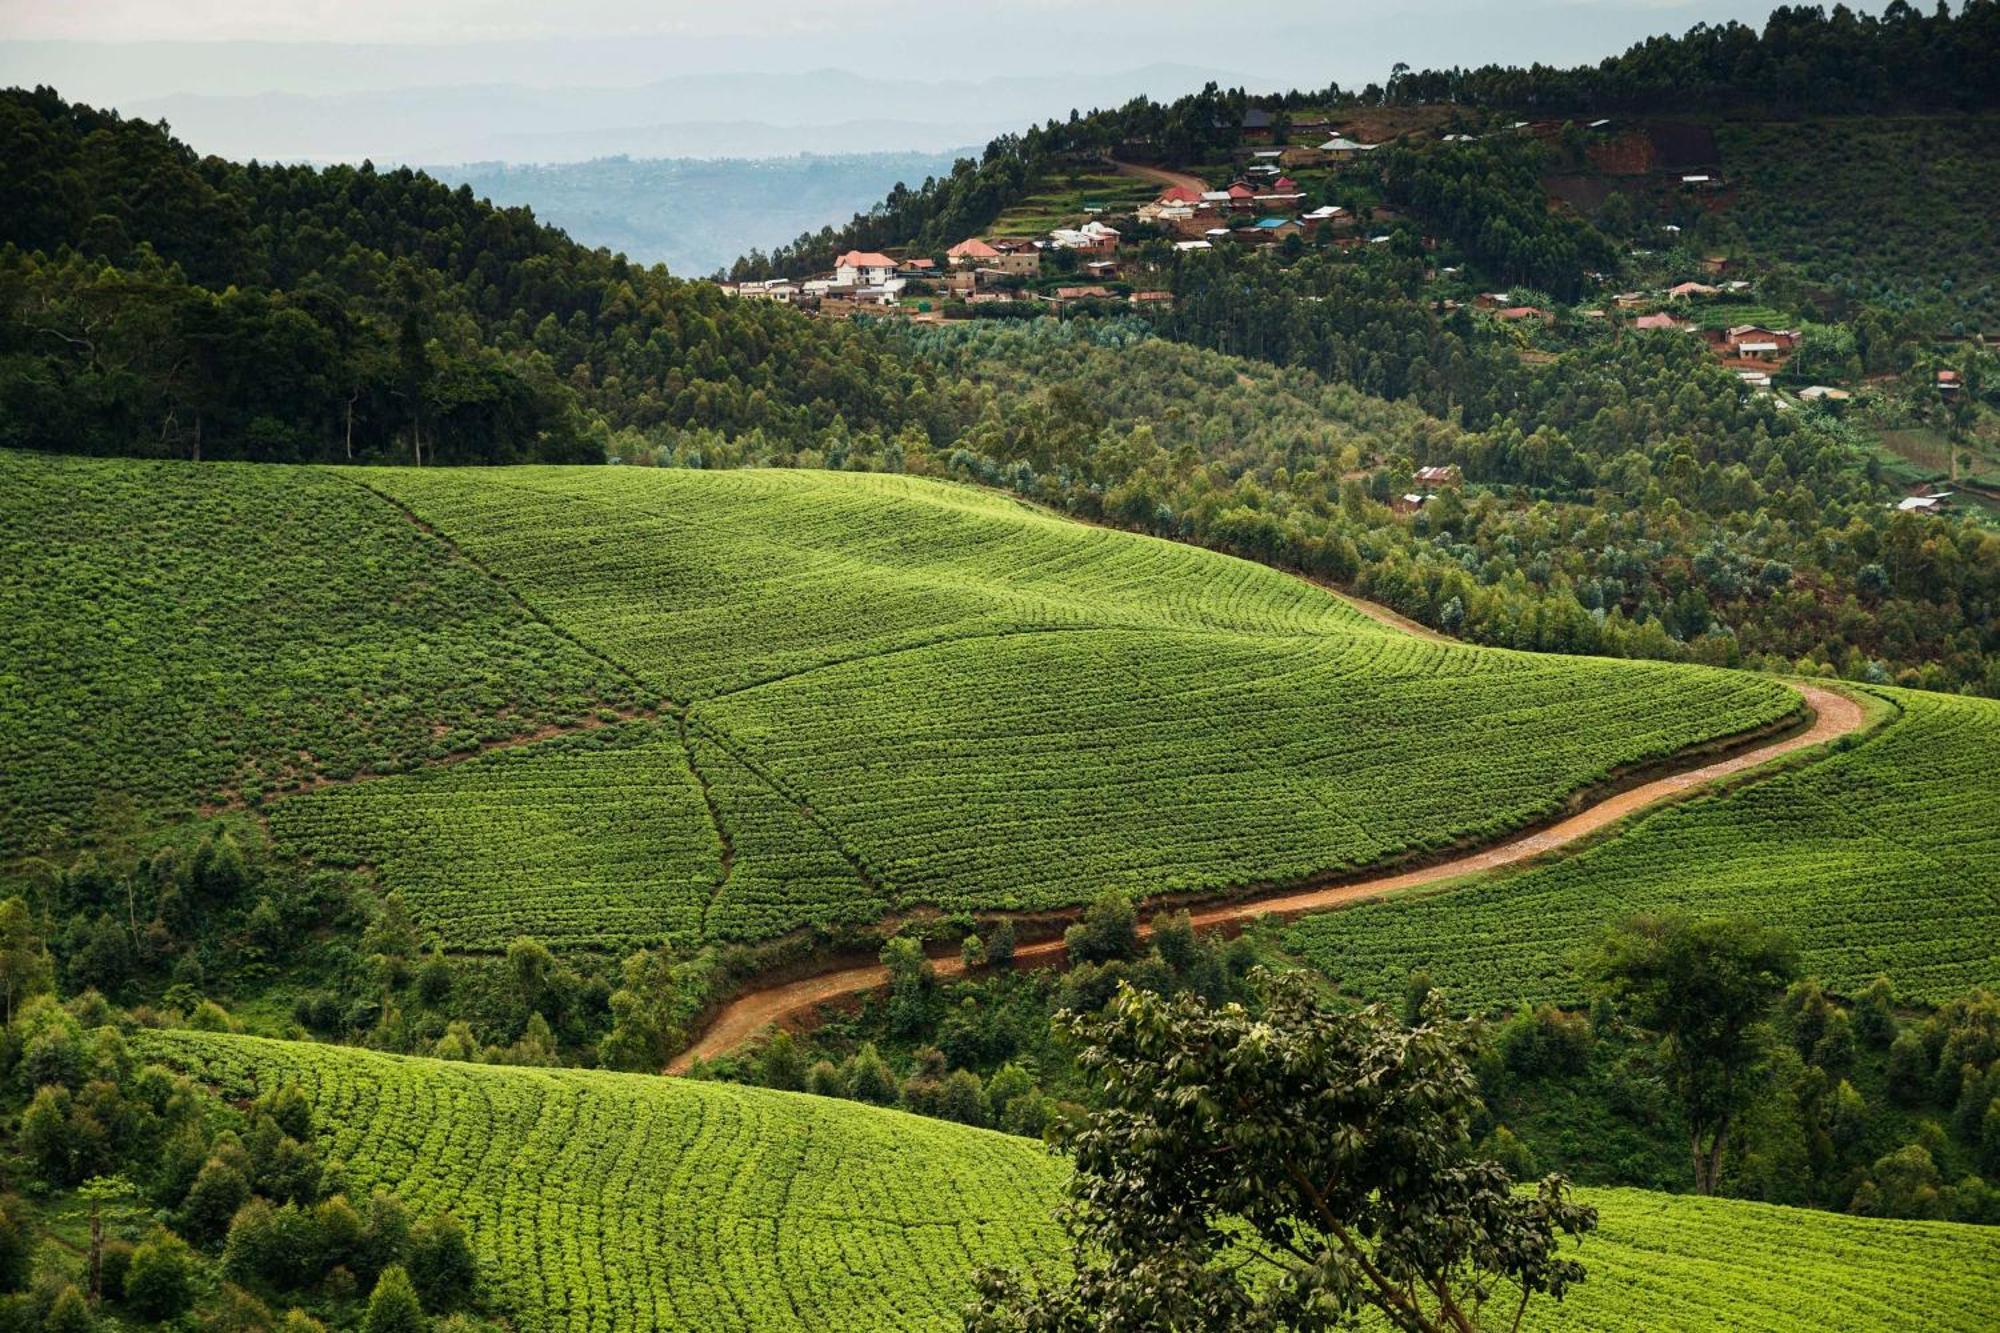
(1307, 1168)
(1706, 988)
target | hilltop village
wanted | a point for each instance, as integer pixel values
(1113, 234)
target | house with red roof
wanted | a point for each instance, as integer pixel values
(1660, 321)
(970, 253)
(863, 268)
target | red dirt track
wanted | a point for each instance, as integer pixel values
(1834, 715)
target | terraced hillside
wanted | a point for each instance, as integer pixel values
(915, 694)
(598, 1201)
(1882, 859)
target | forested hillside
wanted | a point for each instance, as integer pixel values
(153, 301)
(1804, 59)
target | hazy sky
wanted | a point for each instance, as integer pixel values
(1149, 30)
(453, 80)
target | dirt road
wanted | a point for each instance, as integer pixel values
(1835, 715)
(1159, 174)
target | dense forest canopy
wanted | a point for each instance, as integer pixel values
(152, 300)
(1807, 58)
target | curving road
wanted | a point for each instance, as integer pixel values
(1834, 715)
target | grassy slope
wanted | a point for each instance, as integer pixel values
(1882, 859)
(979, 706)
(610, 1200)
(175, 635)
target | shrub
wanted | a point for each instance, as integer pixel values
(393, 1307)
(823, 1080)
(1000, 945)
(1909, 1071)
(1505, 1147)
(781, 1064)
(159, 1284)
(1545, 1041)
(963, 1098)
(69, 1313)
(1109, 930)
(441, 1266)
(1174, 940)
(114, 1262)
(1875, 1015)
(868, 1078)
(211, 1205)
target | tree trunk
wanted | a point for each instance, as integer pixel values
(350, 424)
(1708, 1157)
(197, 437)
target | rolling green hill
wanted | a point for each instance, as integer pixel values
(891, 693)
(180, 636)
(920, 695)
(601, 1200)
(1881, 859)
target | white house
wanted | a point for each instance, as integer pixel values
(1342, 146)
(863, 268)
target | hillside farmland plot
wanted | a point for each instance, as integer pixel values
(1009, 772)
(596, 839)
(706, 582)
(894, 693)
(174, 635)
(976, 706)
(1882, 859)
(599, 1201)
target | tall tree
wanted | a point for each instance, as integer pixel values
(1303, 1168)
(25, 968)
(1706, 988)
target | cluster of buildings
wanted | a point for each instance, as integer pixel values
(861, 280)
(975, 270)
(1258, 212)
(1427, 482)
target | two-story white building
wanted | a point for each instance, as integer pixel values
(863, 268)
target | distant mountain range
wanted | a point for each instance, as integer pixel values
(699, 115)
(696, 215)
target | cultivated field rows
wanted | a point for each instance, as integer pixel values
(600, 1201)
(912, 694)
(1882, 859)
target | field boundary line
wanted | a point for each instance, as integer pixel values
(452, 544)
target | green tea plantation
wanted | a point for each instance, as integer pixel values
(600, 1201)
(1882, 858)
